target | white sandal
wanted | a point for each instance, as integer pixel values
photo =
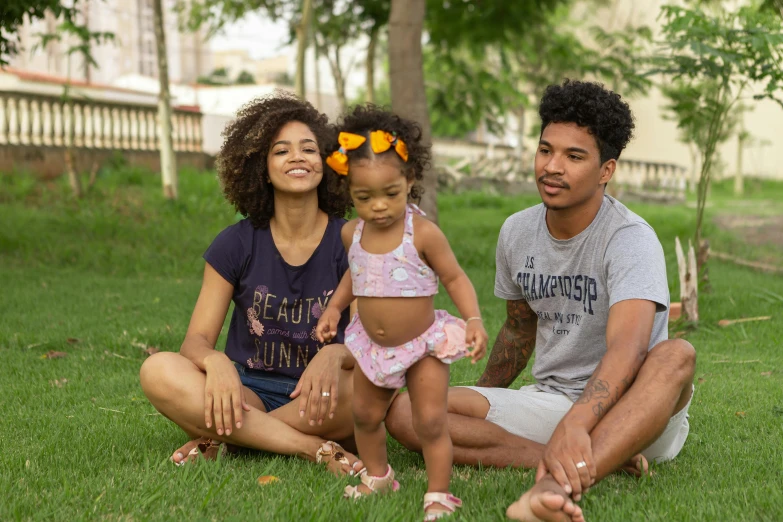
(330, 450)
(447, 500)
(382, 484)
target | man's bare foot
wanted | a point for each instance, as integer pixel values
(547, 501)
(636, 466)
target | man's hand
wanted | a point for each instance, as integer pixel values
(569, 458)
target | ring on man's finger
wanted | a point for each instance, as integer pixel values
(325, 394)
(581, 464)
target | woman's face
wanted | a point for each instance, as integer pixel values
(294, 161)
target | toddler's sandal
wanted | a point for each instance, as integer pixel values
(447, 500)
(382, 484)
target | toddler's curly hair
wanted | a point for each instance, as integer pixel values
(363, 119)
(603, 112)
(242, 161)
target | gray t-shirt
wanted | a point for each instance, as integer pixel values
(571, 284)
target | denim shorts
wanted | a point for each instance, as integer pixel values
(273, 389)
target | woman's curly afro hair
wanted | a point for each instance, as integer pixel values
(363, 119)
(607, 117)
(242, 161)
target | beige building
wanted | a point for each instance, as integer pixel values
(132, 53)
(656, 136)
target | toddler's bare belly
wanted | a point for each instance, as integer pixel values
(393, 321)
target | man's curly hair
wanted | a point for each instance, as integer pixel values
(603, 112)
(363, 119)
(242, 161)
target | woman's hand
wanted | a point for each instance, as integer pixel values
(476, 336)
(318, 387)
(326, 329)
(224, 395)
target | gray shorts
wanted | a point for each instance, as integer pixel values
(534, 414)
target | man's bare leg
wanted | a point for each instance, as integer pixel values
(175, 386)
(475, 439)
(661, 389)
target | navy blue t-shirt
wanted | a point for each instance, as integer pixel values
(276, 305)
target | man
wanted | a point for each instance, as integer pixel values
(584, 280)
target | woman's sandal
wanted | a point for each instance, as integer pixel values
(447, 500)
(206, 448)
(330, 450)
(382, 484)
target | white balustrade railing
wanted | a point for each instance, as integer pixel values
(651, 176)
(44, 120)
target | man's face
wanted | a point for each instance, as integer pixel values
(568, 167)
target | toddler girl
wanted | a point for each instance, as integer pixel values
(395, 259)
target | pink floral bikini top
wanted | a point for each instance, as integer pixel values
(399, 273)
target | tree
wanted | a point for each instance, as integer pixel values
(168, 159)
(333, 26)
(719, 58)
(245, 78)
(406, 73)
(12, 15)
(73, 29)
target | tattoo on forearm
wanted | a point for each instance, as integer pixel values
(598, 391)
(513, 347)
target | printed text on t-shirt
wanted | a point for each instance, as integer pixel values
(580, 288)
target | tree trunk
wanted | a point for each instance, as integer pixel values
(374, 33)
(73, 177)
(168, 161)
(317, 76)
(339, 79)
(406, 72)
(739, 185)
(70, 130)
(301, 47)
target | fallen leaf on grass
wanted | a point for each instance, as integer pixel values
(701, 380)
(766, 374)
(680, 334)
(151, 350)
(107, 352)
(51, 354)
(27, 463)
(740, 414)
(267, 479)
(728, 322)
(58, 382)
(72, 340)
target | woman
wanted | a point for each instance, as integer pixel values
(275, 388)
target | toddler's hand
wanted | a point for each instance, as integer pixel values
(326, 330)
(476, 336)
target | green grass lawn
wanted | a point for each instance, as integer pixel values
(103, 278)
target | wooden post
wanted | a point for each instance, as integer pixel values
(689, 292)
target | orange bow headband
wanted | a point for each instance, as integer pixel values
(380, 141)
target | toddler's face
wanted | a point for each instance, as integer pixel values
(379, 189)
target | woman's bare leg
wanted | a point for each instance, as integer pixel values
(175, 387)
